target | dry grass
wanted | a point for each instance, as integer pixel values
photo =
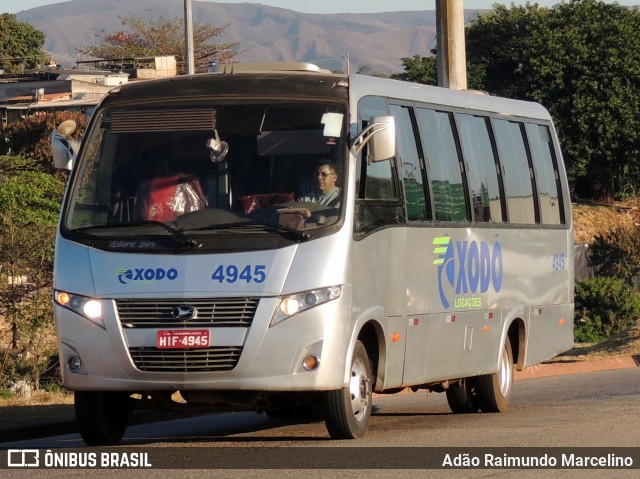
(625, 343)
(591, 220)
(38, 398)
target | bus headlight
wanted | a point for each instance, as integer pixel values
(295, 303)
(88, 308)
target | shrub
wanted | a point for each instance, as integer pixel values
(617, 253)
(604, 306)
(31, 136)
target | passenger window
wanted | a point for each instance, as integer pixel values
(408, 160)
(545, 166)
(444, 170)
(482, 172)
(518, 183)
(378, 202)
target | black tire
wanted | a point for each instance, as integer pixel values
(347, 411)
(461, 398)
(494, 391)
(101, 416)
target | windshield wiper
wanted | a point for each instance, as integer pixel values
(282, 229)
(218, 226)
(188, 240)
(248, 224)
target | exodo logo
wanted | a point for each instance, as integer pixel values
(145, 275)
(466, 268)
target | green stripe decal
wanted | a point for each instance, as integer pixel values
(441, 244)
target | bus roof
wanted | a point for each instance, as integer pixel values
(360, 85)
(310, 80)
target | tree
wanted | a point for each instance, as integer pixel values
(500, 44)
(369, 71)
(581, 59)
(424, 70)
(21, 45)
(29, 205)
(145, 38)
(418, 69)
(31, 137)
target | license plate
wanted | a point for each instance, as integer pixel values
(182, 338)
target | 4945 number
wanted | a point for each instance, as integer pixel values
(233, 273)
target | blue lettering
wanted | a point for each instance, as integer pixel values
(474, 267)
(470, 266)
(148, 274)
(485, 267)
(461, 285)
(497, 267)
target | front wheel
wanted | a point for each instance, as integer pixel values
(348, 410)
(494, 390)
(101, 416)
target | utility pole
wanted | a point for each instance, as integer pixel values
(451, 57)
(188, 38)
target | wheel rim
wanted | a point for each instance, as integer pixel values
(505, 373)
(359, 389)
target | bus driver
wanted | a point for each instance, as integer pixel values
(326, 192)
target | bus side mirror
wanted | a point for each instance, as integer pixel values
(381, 137)
(382, 145)
(64, 148)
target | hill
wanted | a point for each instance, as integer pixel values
(377, 40)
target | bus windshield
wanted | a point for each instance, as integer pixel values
(209, 168)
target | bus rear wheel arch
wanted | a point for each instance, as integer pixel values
(486, 393)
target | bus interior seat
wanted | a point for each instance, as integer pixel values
(165, 198)
(251, 203)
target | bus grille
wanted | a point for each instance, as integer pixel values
(216, 358)
(221, 312)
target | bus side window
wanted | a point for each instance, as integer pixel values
(444, 167)
(482, 168)
(545, 165)
(517, 174)
(410, 164)
(378, 202)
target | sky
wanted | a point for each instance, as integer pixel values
(325, 6)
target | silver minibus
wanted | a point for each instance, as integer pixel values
(282, 239)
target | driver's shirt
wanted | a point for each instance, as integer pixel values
(331, 199)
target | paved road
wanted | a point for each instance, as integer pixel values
(599, 409)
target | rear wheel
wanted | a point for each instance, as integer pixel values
(348, 410)
(101, 416)
(461, 398)
(494, 390)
